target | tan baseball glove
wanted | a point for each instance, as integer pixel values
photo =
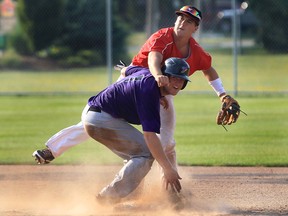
(229, 112)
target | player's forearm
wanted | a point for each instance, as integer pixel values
(210, 74)
(156, 150)
(215, 82)
(154, 63)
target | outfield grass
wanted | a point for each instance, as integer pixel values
(48, 101)
(259, 139)
(256, 73)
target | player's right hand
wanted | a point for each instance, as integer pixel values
(162, 80)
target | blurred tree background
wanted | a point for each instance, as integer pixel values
(67, 31)
(274, 28)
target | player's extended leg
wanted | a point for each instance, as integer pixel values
(128, 143)
(62, 141)
(67, 138)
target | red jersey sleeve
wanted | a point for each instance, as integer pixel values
(199, 59)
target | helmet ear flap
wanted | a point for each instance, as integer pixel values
(184, 85)
(163, 69)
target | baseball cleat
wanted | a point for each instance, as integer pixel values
(43, 156)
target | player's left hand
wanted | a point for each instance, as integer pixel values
(164, 103)
(229, 112)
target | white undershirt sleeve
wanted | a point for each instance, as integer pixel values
(217, 86)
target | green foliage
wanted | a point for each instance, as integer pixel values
(129, 9)
(85, 29)
(2, 42)
(70, 28)
(83, 58)
(168, 8)
(10, 59)
(273, 16)
(67, 58)
(20, 42)
(58, 53)
(92, 56)
(41, 21)
(83, 23)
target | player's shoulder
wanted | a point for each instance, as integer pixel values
(168, 30)
(135, 69)
(196, 46)
(194, 43)
(143, 71)
(164, 32)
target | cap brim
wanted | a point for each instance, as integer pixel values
(186, 14)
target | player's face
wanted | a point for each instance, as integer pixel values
(184, 25)
(175, 85)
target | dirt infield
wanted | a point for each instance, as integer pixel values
(70, 190)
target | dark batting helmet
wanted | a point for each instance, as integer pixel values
(176, 67)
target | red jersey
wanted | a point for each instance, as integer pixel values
(162, 41)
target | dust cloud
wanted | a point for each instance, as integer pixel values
(70, 190)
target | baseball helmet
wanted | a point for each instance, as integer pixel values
(176, 67)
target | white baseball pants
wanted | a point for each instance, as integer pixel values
(68, 137)
(76, 134)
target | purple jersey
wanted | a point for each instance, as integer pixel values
(135, 98)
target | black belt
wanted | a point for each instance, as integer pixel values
(94, 109)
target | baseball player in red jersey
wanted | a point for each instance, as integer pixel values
(175, 41)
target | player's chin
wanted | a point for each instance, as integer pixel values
(174, 91)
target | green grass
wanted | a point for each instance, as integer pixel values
(256, 73)
(259, 139)
(57, 98)
(76, 80)
(28, 121)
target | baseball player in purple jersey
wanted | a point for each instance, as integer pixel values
(134, 100)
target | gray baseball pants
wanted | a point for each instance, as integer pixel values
(128, 143)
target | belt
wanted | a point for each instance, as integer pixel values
(94, 109)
